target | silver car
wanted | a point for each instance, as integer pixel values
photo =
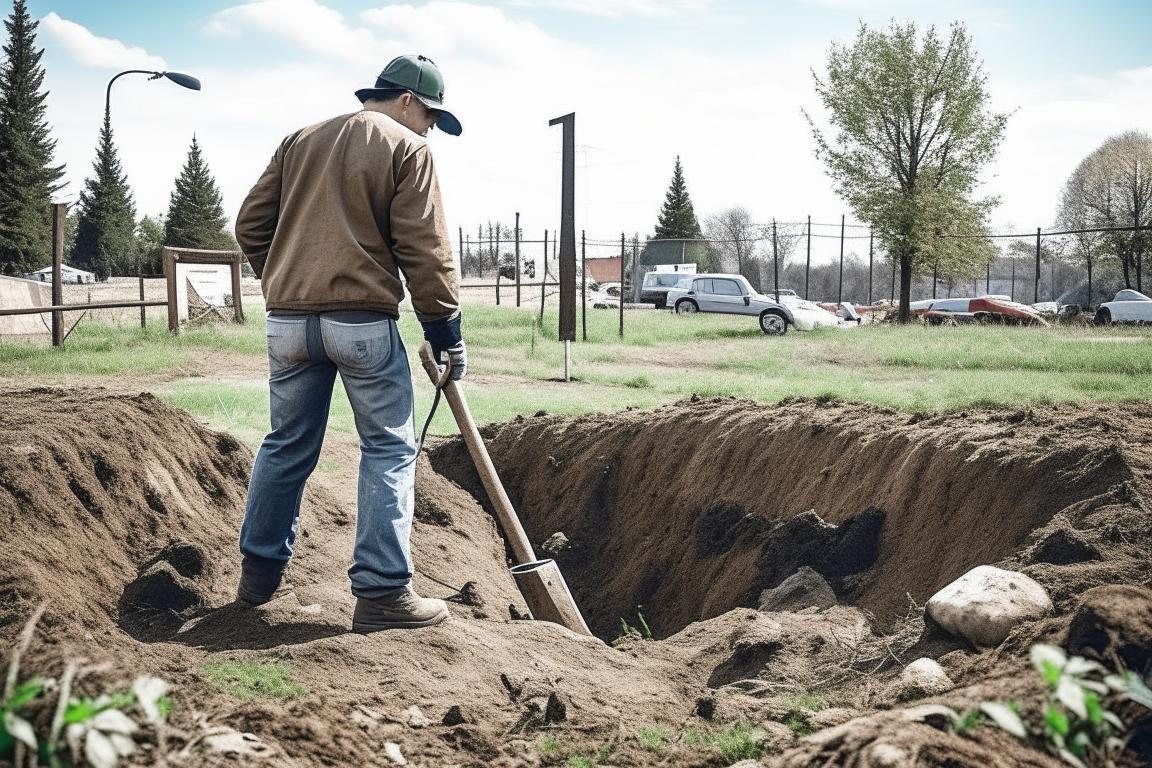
(728, 294)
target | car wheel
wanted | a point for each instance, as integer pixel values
(686, 307)
(1103, 317)
(773, 323)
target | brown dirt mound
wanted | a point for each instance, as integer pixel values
(691, 510)
(124, 511)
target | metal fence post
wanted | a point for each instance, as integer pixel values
(636, 270)
(840, 290)
(583, 287)
(517, 256)
(775, 263)
(1036, 285)
(543, 277)
(808, 261)
(621, 285)
(870, 266)
(935, 274)
(461, 236)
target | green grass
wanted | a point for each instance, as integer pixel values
(738, 743)
(253, 679)
(549, 746)
(653, 738)
(515, 366)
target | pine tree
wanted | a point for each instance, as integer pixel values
(27, 177)
(677, 218)
(106, 220)
(195, 210)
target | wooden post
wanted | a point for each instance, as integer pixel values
(988, 279)
(1089, 306)
(59, 216)
(934, 275)
(621, 285)
(237, 301)
(517, 235)
(143, 316)
(1012, 289)
(543, 276)
(497, 263)
(808, 261)
(170, 275)
(567, 238)
(840, 290)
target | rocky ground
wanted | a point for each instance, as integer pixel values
(780, 557)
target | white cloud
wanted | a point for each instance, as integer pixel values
(94, 51)
(615, 9)
(313, 27)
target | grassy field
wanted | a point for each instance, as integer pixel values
(219, 373)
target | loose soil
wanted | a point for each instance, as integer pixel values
(123, 512)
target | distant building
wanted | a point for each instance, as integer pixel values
(67, 275)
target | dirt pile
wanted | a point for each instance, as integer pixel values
(125, 511)
(693, 509)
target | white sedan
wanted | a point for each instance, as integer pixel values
(1129, 306)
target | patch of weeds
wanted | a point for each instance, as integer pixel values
(738, 743)
(810, 702)
(581, 761)
(640, 630)
(253, 679)
(549, 746)
(692, 737)
(653, 739)
(639, 381)
(798, 723)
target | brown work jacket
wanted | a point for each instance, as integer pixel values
(344, 207)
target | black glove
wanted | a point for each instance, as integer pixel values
(458, 355)
(444, 336)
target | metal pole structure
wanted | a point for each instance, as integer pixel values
(1089, 307)
(517, 258)
(988, 279)
(775, 263)
(934, 276)
(840, 290)
(59, 215)
(1012, 288)
(636, 270)
(869, 266)
(143, 316)
(1036, 284)
(621, 285)
(567, 266)
(461, 235)
(808, 261)
(583, 287)
(497, 252)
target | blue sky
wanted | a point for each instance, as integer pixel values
(720, 83)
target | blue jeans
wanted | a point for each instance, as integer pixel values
(305, 352)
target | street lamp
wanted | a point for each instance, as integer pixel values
(179, 78)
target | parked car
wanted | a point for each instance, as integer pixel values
(654, 289)
(732, 294)
(1129, 306)
(982, 309)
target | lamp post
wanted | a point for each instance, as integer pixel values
(186, 81)
(179, 78)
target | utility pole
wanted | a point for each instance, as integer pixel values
(621, 285)
(1036, 284)
(517, 259)
(840, 290)
(775, 263)
(870, 233)
(808, 260)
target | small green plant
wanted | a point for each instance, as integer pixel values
(253, 679)
(640, 630)
(549, 746)
(798, 723)
(581, 761)
(692, 737)
(738, 743)
(653, 739)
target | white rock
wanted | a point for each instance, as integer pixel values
(392, 751)
(414, 718)
(923, 677)
(985, 604)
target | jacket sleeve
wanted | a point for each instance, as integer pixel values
(421, 244)
(259, 213)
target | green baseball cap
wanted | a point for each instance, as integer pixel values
(421, 76)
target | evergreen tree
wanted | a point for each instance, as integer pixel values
(195, 210)
(677, 217)
(106, 221)
(27, 177)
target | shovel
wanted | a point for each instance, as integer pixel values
(539, 581)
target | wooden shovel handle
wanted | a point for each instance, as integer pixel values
(505, 512)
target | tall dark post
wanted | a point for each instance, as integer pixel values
(497, 252)
(517, 235)
(935, 274)
(143, 316)
(461, 234)
(1012, 288)
(621, 285)
(1036, 285)
(480, 250)
(775, 263)
(583, 287)
(1138, 246)
(988, 278)
(808, 261)
(870, 266)
(893, 258)
(636, 269)
(59, 215)
(1088, 308)
(567, 329)
(840, 290)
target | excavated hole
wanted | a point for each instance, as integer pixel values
(693, 514)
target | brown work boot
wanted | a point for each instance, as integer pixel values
(400, 608)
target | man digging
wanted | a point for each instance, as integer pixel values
(344, 207)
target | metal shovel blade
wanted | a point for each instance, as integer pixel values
(547, 595)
